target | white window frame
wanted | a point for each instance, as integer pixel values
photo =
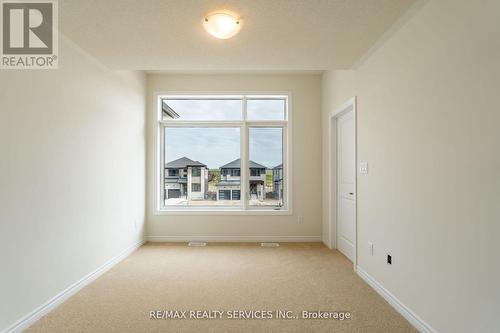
(159, 124)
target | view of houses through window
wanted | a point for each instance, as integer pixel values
(202, 155)
(265, 182)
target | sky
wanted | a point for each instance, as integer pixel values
(229, 109)
(218, 146)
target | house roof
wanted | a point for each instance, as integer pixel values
(236, 165)
(168, 111)
(183, 162)
(278, 166)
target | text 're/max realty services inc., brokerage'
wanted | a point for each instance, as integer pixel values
(247, 314)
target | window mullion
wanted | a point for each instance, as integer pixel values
(267, 123)
(244, 108)
(161, 156)
(244, 159)
(285, 168)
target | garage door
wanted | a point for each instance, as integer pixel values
(236, 194)
(174, 194)
(224, 194)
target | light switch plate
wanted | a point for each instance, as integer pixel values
(363, 167)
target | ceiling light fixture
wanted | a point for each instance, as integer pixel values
(222, 25)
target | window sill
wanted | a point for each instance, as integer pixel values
(221, 212)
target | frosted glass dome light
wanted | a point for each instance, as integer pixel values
(222, 25)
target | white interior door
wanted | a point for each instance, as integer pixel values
(346, 185)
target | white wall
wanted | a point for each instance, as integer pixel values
(307, 159)
(72, 175)
(337, 88)
(429, 127)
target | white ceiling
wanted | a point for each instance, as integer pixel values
(167, 35)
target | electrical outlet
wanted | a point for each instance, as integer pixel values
(370, 248)
(300, 219)
(389, 259)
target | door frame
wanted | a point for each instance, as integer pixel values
(349, 105)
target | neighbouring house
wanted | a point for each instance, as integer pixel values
(185, 178)
(230, 176)
(278, 182)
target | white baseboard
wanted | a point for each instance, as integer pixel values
(55, 301)
(231, 239)
(415, 320)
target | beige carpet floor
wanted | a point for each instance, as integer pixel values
(229, 277)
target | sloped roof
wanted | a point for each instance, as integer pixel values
(278, 166)
(168, 111)
(236, 164)
(183, 162)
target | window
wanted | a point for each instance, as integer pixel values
(266, 109)
(205, 141)
(201, 149)
(265, 144)
(256, 172)
(231, 172)
(201, 109)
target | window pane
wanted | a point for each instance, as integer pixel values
(193, 170)
(202, 109)
(266, 109)
(266, 166)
